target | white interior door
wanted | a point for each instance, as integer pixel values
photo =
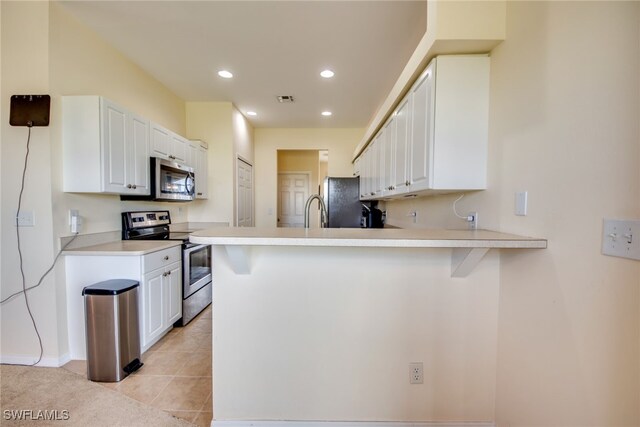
(293, 191)
(244, 211)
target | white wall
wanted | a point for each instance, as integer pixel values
(25, 70)
(45, 50)
(564, 125)
(339, 142)
(327, 334)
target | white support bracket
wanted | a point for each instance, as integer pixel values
(464, 260)
(238, 258)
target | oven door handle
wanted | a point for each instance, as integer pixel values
(189, 247)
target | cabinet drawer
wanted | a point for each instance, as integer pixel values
(162, 258)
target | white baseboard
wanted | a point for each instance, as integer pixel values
(49, 362)
(258, 423)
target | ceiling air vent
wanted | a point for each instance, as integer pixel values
(285, 98)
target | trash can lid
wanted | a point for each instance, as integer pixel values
(110, 287)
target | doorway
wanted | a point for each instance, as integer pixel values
(301, 173)
(244, 194)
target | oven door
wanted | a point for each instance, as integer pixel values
(196, 264)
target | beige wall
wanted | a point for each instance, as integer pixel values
(564, 125)
(229, 136)
(25, 70)
(45, 50)
(211, 122)
(327, 334)
(339, 142)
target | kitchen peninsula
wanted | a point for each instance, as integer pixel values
(322, 324)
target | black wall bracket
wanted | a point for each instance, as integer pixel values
(30, 110)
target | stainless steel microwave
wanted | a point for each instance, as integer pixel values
(169, 181)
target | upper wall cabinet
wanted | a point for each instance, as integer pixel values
(105, 147)
(168, 145)
(198, 160)
(438, 135)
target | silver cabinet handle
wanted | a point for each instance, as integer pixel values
(166, 257)
(129, 185)
(407, 183)
(164, 274)
(135, 186)
(199, 194)
(168, 273)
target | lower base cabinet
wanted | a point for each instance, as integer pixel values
(162, 302)
(160, 294)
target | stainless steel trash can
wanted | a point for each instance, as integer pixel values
(112, 331)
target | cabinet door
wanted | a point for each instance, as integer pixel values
(114, 147)
(179, 147)
(388, 157)
(422, 112)
(365, 176)
(172, 286)
(192, 155)
(376, 169)
(403, 132)
(356, 167)
(160, 141)
(153, 310)
(202, 173)
(138, 168)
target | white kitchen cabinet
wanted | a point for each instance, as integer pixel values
(441, 130)
(167, 144)
(387, 156)
(450, 121)
(162, 302)
(402, 119)
(159, 294)
(356, 167)
(202, 171)
(105, 147)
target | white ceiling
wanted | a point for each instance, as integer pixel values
(272, 48)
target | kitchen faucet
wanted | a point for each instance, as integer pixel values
(323, 213)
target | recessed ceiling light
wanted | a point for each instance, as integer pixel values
(327, 74)
(251, 113)
(326, 113)
(225, 74)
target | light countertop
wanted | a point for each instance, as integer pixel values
(358, 237)
(124, 248)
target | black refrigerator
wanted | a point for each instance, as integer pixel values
(342, 198)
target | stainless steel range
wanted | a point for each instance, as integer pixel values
(197, 284)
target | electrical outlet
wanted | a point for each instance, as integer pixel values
(416, 373)
(75, 220)
(621, 238)
(472, 218)
(25, 219)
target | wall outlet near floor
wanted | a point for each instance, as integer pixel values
(25, 219)
(621, 238)
(416, 373)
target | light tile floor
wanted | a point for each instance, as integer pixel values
(176, 376)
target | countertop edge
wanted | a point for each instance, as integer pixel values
(123, 248)
(502, 241)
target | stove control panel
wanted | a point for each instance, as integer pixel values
(134, 220)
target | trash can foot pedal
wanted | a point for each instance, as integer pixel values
(133, 366)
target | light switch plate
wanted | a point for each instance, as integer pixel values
(26, 219)
(521, 203)
(621, 238)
